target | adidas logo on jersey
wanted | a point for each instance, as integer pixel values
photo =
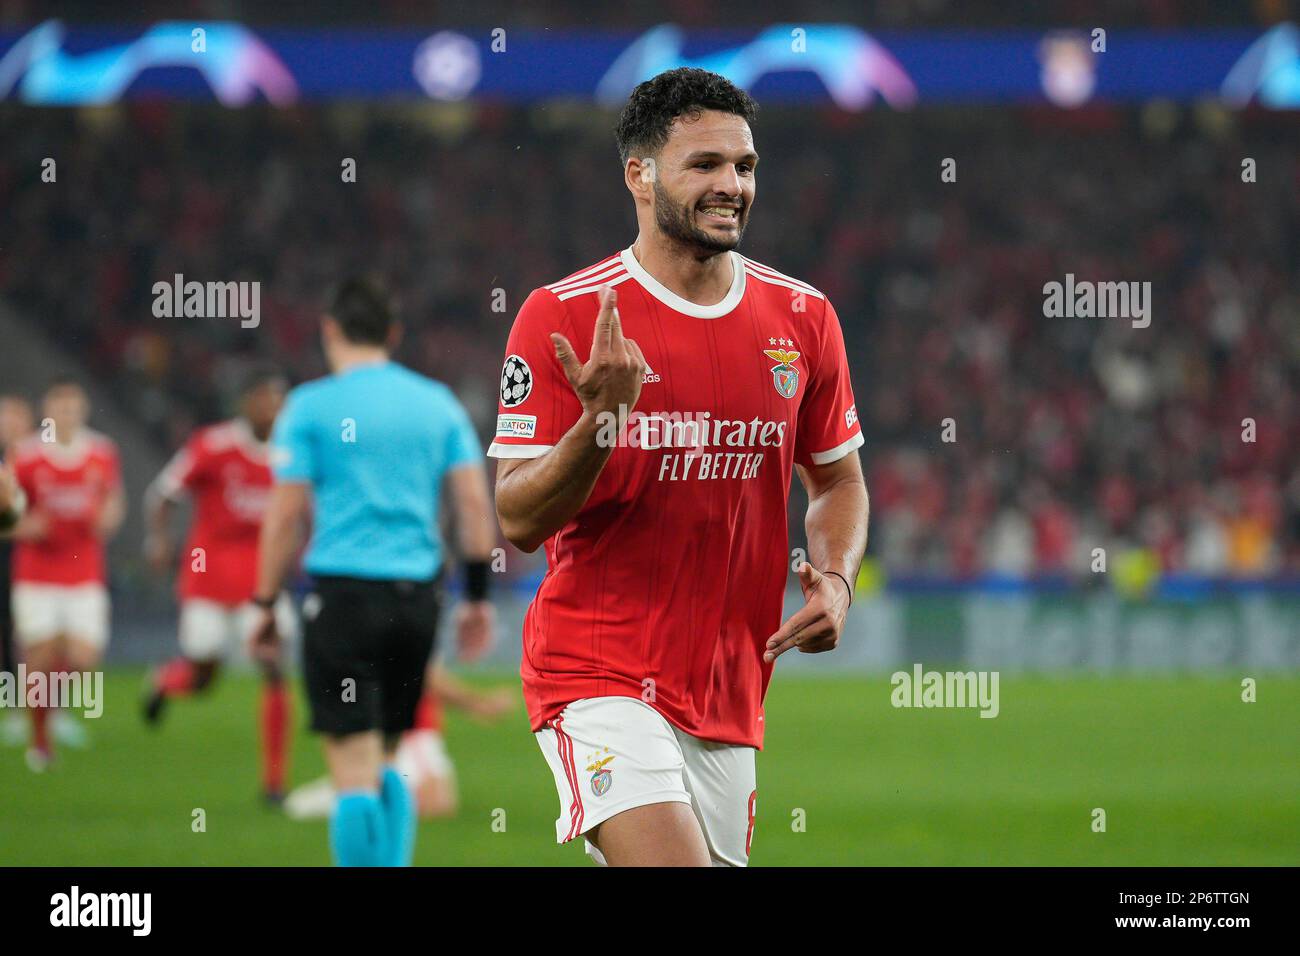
(650, 376)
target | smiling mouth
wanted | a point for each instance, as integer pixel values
(721, 214)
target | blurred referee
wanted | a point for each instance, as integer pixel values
(365, 451)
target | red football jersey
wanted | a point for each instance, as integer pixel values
(670, 579)
(227, 472)
(69, 484)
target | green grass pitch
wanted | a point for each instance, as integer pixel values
(1186, 772)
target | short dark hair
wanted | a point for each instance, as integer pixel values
(363, 309)
(654, 105)
(260, 375)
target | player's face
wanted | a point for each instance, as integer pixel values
(67, 407)
(15, 420)
(704, 181)
(262, 404)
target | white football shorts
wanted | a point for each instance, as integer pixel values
(610, 754)
(210, 630)
(45, 611)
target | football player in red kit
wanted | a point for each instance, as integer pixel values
(71, 480)
(653, 407)
(225, 470)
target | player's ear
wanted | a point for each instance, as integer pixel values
(639, 176)
(395, 332)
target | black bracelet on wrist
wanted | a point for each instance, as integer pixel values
(476, 580)
(265, 603)
(846, 584)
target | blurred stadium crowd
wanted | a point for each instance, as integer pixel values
(1070, 434)
(881, 14)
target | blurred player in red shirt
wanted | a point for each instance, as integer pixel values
(225, 470)
(71, 478)
(653, 407)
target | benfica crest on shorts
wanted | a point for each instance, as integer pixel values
(784, 375)
(602, 778)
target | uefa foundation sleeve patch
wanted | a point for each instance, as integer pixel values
(516, 426)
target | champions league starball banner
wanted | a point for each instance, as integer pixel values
(53, 64)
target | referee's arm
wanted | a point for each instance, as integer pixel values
(475, 521)
(476, 526)
(281, 536)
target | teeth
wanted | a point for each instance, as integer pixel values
(726, 212)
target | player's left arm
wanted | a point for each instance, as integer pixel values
(826, 460)
(836, 525)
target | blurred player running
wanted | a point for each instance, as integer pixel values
(422, 759)
(225, 468)
(365, 452)
(650, 644)
(15, 425)
(71, 479)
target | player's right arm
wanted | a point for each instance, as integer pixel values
(161, 499)
(112, 510)
(536, 497)
(30, 522)
(158, 519)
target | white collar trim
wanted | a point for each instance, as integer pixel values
(685, 306)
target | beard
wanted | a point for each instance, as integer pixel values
(674, 220)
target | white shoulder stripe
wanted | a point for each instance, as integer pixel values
(594, 288)
(838, 452)
(604, 263)
(807, 289)
(614, 269)
(773, 273)
(500, 450)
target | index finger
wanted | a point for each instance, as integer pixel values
(787, 636)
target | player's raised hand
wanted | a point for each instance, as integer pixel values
(611, 379)
(816, 626)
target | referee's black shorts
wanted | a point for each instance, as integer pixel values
(365, 647)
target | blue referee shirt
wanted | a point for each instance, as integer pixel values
(374, 442)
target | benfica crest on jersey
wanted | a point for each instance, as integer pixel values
(784, 375)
